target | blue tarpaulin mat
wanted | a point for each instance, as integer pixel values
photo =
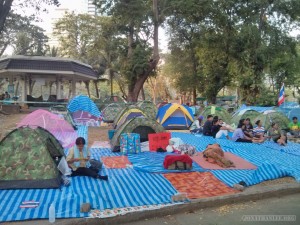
(126, 187)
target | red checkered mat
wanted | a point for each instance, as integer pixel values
(115, 162)
(199, 185)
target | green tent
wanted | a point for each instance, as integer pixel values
(140, 125)
(111, 111)
(271, 116)
(124, 111)
(28, 159)
(244, 114)
(217, 111)
(148, 108)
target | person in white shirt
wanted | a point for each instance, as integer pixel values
(196, 126)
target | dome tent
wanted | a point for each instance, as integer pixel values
(244, 114)
(141, 125)
(131, 109)
(217, 111)
(84, 111)
(110, 112)
(28, 159)
(174, 116)
(271, 116)
(149, 108)
(57, 126)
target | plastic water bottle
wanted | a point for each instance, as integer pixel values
(52, 213)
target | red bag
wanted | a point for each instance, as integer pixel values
(158, 140)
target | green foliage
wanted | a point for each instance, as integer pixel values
(238, 43)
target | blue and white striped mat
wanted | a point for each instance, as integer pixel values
(126, 187)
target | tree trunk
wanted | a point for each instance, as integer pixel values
(143, 94)
(5, 6)
(136, 85)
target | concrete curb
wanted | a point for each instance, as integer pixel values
(250, 194)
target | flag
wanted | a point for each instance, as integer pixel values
(281, 95)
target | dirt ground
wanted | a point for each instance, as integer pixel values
(9, 122)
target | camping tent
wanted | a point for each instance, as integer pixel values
(128, 114)
(111, 111)
(134, 110)
(140, 125)
(175, 117)
(161, 104)
(84, 111)
(55, 124)
(272, 116)
(217, 111)
(294, 113)
(28, 159)
(244, 114)
(149, 108)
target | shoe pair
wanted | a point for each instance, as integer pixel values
(102, 177)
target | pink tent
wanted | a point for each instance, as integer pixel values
(56, 125)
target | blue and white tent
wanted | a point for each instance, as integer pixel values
(83, 103)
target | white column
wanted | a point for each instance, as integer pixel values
(58, 88)
(24, 89)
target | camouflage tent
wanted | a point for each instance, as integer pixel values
(28, 159)
(149, 108)
(272, 116)
(244, 114)
(217, 111)
(140, 125)
(110, 112)
(132, 108)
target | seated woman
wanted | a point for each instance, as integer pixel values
(214, 154)
(259, 130)
(239, 136)
(196, 126)
(277, 135)
(78, 160)
(248, 131)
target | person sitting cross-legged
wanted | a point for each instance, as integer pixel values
(295, 127)
(239, 136)
(78, 160)
(277, 135)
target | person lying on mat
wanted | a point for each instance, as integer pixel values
(239, 136)
(277, 135)
(78, 160)
(214, 154)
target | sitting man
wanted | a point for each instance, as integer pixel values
(79, 161)
(214, 154)
(295, 127)
(207, 126)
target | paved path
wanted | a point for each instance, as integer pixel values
(233, 214)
